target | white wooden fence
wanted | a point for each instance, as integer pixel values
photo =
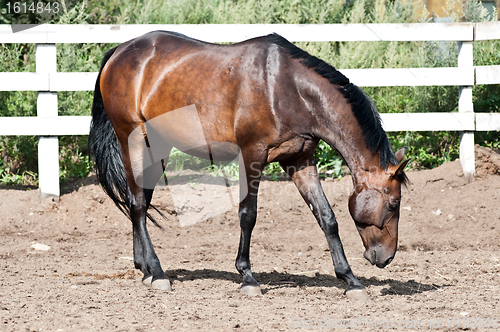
(47, 81)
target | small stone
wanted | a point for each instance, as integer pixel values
(278, 269)
(437, 212)
(39, 246)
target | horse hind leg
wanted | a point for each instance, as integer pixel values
(148, 277)
(140, 192)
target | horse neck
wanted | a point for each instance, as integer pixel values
(339, 128)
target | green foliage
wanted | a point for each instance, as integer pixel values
(18, 163)
(223, 169)
(273, 170)
(19, 160)
(215, 11)
(427, 149)
(73, 163)
(329, 163)
(486, 97)
(179, 161)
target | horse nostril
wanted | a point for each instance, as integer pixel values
(384, 263)
(371, 256)
(388, 260)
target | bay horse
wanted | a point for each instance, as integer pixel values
(271, 100)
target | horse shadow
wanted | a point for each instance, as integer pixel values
(278, 280)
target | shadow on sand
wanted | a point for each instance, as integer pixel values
(276, 280)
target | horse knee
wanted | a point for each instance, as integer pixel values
(247, 217)
(330, 225)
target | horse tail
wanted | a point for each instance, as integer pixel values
(105, 152)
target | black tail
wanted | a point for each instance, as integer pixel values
(105, 151)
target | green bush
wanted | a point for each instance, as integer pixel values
(18, 163)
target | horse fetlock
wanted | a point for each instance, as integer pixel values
(243, 266)
(139, 266)
(347, 275)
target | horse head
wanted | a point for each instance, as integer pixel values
(374, 205)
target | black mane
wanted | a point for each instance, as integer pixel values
(363, 108)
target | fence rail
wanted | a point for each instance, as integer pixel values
(228, 33)
(361, 77)
(47, 81)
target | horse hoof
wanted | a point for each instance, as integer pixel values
(251, 290)
(163, 284)
(147, 280)
(357, 294)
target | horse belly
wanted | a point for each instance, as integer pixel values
(183, 129)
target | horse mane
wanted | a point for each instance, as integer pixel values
(363, 108)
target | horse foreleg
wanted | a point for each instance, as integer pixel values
(305, 176)
(248, 216)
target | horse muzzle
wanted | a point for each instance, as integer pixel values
(378, 256)
(380, 244)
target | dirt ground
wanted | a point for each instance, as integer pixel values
(445, 276)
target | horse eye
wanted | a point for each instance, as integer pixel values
(393, 206)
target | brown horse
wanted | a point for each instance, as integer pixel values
(264, 100)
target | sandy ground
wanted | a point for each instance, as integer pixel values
(445, 276)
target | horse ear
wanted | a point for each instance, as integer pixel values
(401, 167)
(395, 170)
(400, 154)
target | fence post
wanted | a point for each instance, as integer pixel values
(48, 146)
(467, 158)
